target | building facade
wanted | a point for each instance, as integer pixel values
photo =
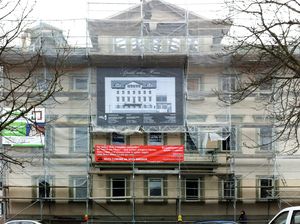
(143, 91)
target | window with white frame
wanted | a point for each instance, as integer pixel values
(43, 187)
(265, 136)
(228, 188)
(80, 83)
(266, 188)
(228, 83)
(118, 139)
(155, 187)
(230, 139)
(192, 189)
(118, 188)
(155, 139)
(79, 187)
(80, 139)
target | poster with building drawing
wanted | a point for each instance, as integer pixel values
(139, 96)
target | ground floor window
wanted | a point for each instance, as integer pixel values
(155, 187)
(43, 187)
(192, 189)
(266, 188)
(79, 187)
(118, 188)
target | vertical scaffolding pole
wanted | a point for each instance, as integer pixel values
(133, 190)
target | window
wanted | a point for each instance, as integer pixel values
(189, 143)
(80, 139)
(118, 188)
(43, 189)
(266, 83)
(228, 188)
(230, 141)
(42, 83)
(79, 187)
(155, 187)
(117, 139)
(80, 83)
(192, 189)
(193, 84)
(265, 134)
(155, 139)
(266, 188)
(228, 83)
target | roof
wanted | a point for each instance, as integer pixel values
(159, 19)
(43, 26)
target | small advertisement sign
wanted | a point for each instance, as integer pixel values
(28, 131)
(139, 153)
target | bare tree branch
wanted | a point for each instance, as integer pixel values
(264, 50)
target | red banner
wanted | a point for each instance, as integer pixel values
(139, 153)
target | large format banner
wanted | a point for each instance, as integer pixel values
(28, 131)
(139, 153)
(139, 96)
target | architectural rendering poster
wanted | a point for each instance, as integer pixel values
(139, 96)
(139, 153)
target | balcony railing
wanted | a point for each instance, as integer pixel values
(155, 45)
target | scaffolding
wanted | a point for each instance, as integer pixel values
(222, 172)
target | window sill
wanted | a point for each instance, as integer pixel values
(114, 201)
(153, 201)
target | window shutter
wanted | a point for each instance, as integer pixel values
(165, 138)
(71, 139)
(71, 188)
(127, 139)
(108, 139)
(220, 188)
(146, 187)
(182, 140)
(127, 184)
(258, 189)
(183, 188)
(108, 187)
(238, 188)
(145, 135)
(165, 188)
(202, 188)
